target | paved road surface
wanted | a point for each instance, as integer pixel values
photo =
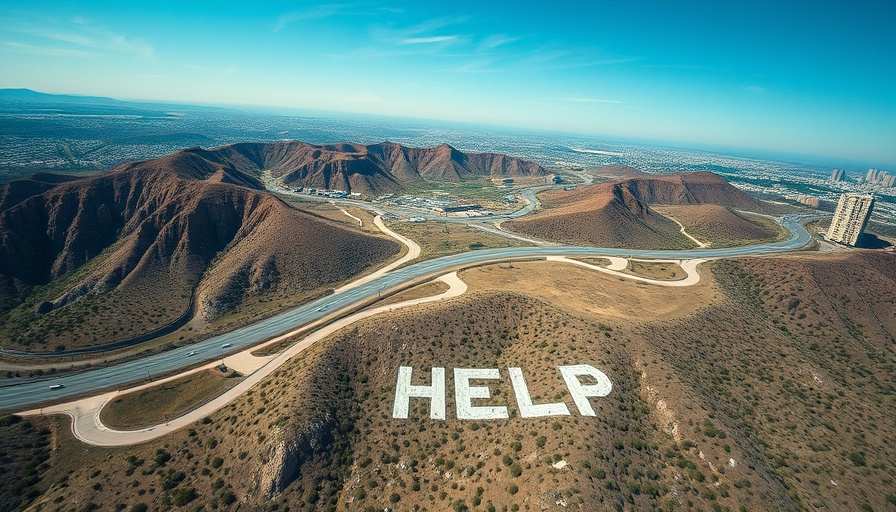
(20, 396)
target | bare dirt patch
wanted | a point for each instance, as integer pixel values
(598, 262)
(662, 271)
(333, 212)
(590, 292)
(443, 238)
(166, 401)
(417, 292)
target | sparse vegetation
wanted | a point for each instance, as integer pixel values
(742, 414)
(166, 401)
(663, 271)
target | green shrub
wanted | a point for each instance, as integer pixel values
(183, 495)
(162, 457)
(228, 497)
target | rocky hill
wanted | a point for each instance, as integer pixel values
(95, 260)
(620, 214)
(379, 168)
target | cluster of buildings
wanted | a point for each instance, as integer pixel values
(872, 177)
(882, 178)
(335, 194)
(850, 218)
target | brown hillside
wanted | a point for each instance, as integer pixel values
(606, 215)
(379, 168)
(151, 230)
(691, 188)
(723, 397)
(719, 223)
(620, 214)
(617, 171)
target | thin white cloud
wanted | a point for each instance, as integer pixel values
(315, 13)
(391, 10)
(428, 40)
(425, 32)
(47, 50)
(84, 35)
(754, 89)
(497, 40)
(478, 66)
(553, 56)
(580, 99)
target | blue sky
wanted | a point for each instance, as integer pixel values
(815, 78)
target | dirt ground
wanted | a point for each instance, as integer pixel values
(592, 293)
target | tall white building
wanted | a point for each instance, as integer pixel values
(850, 218)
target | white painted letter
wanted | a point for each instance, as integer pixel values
(464, 393)
(580, 392)
(404, 391)
(524, 399)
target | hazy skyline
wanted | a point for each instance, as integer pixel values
(789, 77)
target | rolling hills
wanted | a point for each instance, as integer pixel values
(380, 168)
(103, 259)
(620, 214)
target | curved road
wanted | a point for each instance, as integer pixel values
(34, 392)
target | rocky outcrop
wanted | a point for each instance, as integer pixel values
(287, 451)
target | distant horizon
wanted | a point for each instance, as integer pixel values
(737, 152)
(770, 77)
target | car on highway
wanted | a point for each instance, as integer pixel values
(193, 353)
(57, 386)
(226, 345)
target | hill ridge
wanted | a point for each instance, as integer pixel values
(619, 214)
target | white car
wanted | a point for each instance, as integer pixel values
(193, 353)
(226, 345)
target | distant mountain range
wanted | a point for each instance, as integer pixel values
(379, 168)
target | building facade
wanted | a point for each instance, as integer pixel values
(850, 218)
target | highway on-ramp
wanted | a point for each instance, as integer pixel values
(19, 396)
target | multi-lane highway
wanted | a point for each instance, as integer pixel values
(28, 393)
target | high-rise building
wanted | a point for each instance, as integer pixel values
(871, 176)
(837, 175)
(850, 218)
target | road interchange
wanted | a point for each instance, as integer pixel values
(30, 393)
